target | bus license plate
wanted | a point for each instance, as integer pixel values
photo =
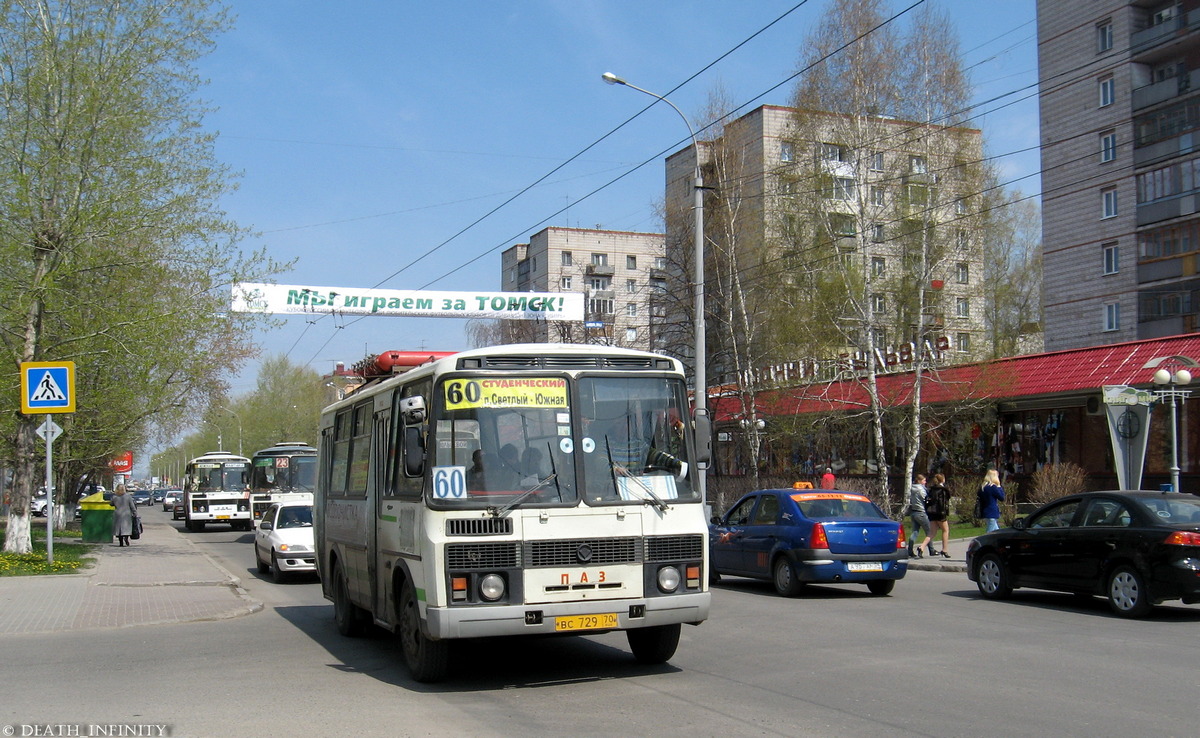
(586, 622)
(222, 517)
(864, 566)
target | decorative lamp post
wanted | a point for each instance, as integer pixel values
(1165, 378)
(701, 380)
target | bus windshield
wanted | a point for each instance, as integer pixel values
(498, 439)
(632, 442)
(230, 476)
(295, 473)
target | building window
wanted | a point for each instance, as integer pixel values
(960, 206)
(631, 286)
(962, 239)
(1108, 91)
(841, 225)
(1109, 197)
(877, 233)
(843, 188)
(599, 283)
(631, 262)
(599, 260)
(597, 306)
(962, 307)
(1112, 316)
(565, 283)
(878, 266)
(658, 285)
(1108, 146)
(566, 258)
(1104, 36)
(878, 303)
(916, 165)
(787, 153)
(962, 272)
(833, 152)
(631, 309)
(660, 262)
(631, 334)
(877, 196)
(876, 161)
(1112, 256)
(962, 342)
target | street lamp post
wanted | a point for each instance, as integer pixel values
(238, 418)
(1162, 378)
(701, 380)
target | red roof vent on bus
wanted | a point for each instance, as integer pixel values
(395, 362)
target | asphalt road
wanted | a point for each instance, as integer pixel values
(931, 659)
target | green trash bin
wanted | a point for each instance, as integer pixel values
(96, 519)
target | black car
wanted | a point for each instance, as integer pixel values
(1135, 548)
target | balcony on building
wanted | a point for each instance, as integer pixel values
(600, 270)
(1164, 31)
(1167, 89)
(1186, 203)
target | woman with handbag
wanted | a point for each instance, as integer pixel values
(937, 508)
(124, 515)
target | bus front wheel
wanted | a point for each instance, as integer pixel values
(654, 645)
(345, 613)
(428, 660)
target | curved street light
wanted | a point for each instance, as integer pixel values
(701, 349)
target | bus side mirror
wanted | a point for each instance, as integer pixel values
(413, 409)
(703, 438)
(414, 451)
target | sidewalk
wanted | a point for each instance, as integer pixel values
(957, 561)
(162, 578)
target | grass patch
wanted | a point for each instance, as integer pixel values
(69, 557)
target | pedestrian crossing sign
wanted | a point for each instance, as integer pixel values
(47, 387)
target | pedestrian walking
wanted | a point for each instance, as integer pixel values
(828, 481)
(920, 521)
(937, 508)
(990, 494)
(124, 515)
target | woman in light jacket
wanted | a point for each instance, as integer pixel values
(124, 511)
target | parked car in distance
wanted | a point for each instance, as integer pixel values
(1138, 549)
(141, 498)
(37, 506)
(172, 497)
(794, 537)
(283, 541)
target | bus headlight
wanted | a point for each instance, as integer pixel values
(668, 579)
(491, 587)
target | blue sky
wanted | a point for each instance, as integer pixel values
(370, 132)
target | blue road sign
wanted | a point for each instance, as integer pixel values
(47, 387)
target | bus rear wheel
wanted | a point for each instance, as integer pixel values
(654, 645)
(428, 660)
(345, 613)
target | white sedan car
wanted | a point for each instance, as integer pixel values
(283, 542)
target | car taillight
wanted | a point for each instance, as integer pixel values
(818, 538)
(900, 537)
(1183, 538)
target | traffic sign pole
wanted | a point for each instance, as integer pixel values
(48, 387)
(50, 436)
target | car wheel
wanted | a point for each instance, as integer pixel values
(262, 565)
(345, 613)
(1128, 595)
(714, 576)
(881, 587)
(784, 578)
(654, 645)
(276, 573)
(992, 578)
(428, 660)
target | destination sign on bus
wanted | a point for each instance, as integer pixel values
(531, 392)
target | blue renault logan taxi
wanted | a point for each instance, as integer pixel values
(794, 537)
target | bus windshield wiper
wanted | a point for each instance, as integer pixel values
(654, 499)
(501, 511)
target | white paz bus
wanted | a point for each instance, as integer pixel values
(512, 490)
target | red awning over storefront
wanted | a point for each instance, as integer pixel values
(1019, 377)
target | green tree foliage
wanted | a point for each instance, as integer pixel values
(113, 253)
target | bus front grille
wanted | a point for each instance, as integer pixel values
(674, 548)
(479, 527)
(468, 556)
(583, 552)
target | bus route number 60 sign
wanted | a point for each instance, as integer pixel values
(450, 482)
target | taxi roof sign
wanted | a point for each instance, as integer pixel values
(47, 387)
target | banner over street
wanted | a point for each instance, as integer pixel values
(255, 297)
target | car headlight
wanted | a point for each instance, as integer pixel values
(668, 579)
(491, 587)
(295, 547)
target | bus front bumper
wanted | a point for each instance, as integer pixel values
(484, 621)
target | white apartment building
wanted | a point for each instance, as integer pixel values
(619, 272)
